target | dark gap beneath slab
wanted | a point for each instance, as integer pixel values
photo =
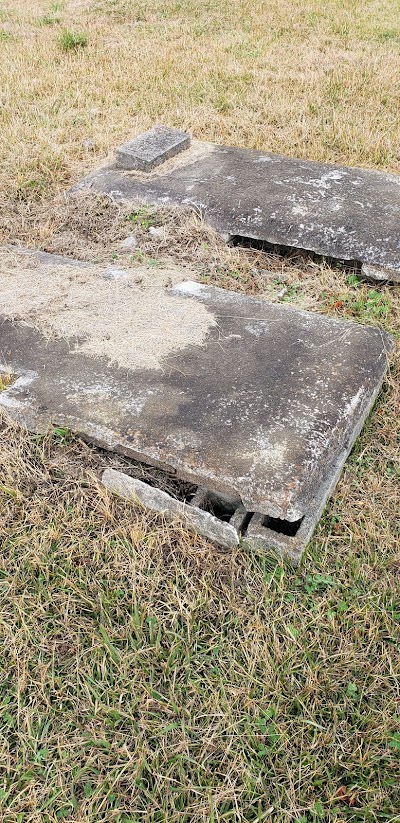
(246, 521)
(221, 508)
(218, 506)
(153, 476)
(279, 526)
(292, 254)
(159, 479)
(182, 490)
(192, 495)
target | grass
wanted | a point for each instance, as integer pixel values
(5, 35)
(71, 41)
(145, 676)
(292, 76)
(53, 15)
(6, 380)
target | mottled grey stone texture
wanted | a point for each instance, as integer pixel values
(264, 412)
(345, 213)
(149, 150)
(379, 273)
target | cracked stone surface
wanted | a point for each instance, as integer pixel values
(346, 213)
(265, 411)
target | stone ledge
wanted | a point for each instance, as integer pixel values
(159, 501)
(380, 273)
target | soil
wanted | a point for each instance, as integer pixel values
(124, 314)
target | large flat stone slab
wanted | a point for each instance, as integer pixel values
(346, 213)
(263, 411)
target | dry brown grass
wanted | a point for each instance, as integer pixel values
(144, 677)
(302, 78)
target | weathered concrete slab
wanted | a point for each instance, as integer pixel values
(263, 411)
(148, 150)
(346, 213)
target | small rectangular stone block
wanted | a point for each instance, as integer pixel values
(152, 148)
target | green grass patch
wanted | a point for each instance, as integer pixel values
(389, 36)
(364, 304)
(53, 16)
(144, 217)
(6, 380)
(73, 41)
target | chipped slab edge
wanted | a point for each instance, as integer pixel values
(380, 274)
(159, 501)
(258, 536)
(9, 400)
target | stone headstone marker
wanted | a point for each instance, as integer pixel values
(152, 148)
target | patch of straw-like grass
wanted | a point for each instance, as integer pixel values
(301, 78)
(144, 676)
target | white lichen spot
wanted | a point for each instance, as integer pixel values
(300, 210)
(112, 273)
(190, 287)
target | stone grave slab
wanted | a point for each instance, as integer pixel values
(351, 214)
(259, 413)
